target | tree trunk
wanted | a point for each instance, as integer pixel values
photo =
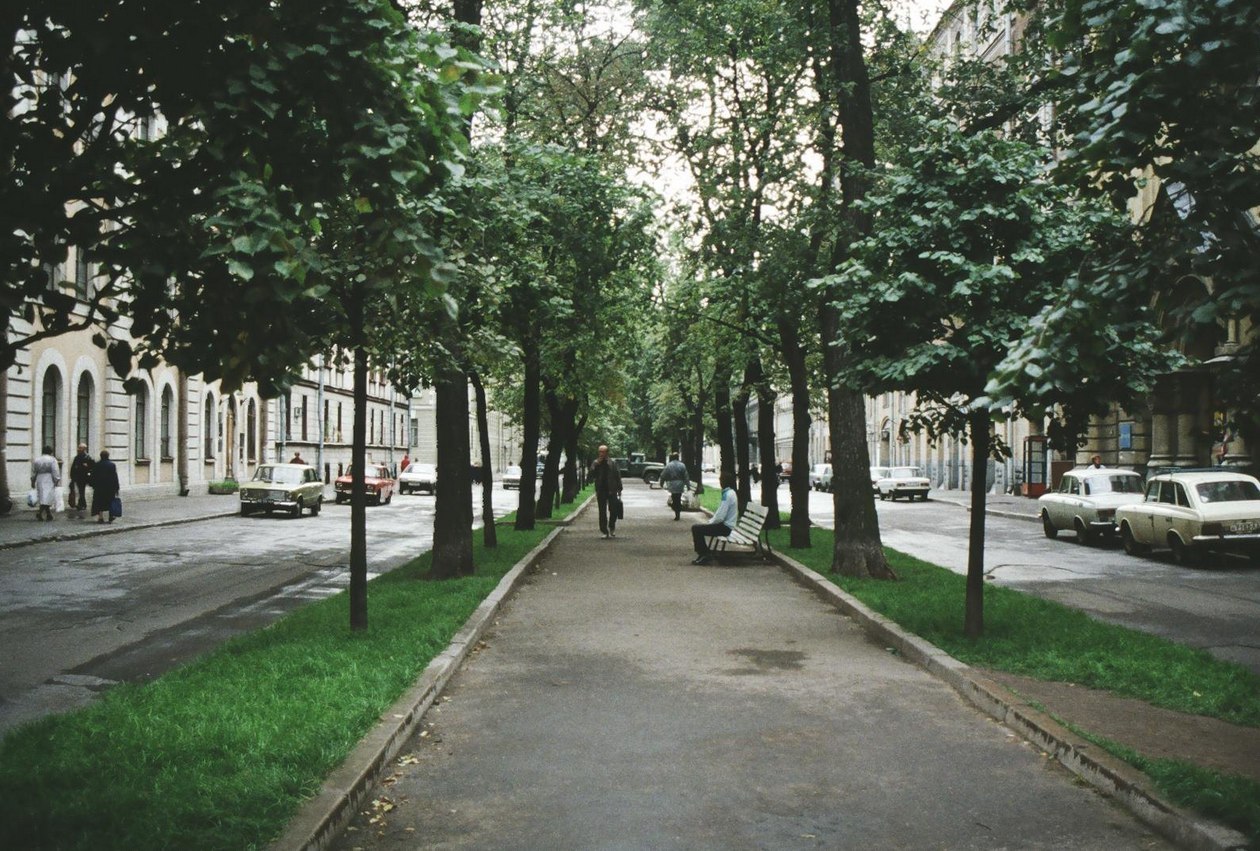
(722, 412)
(798, 482)
(358, 457)
(452, 510)
(572, 481)
(697, 446)
(978, 425)
(489, 535)
(6, 502)
(765, 448)
(858, 550)
(530, 427)
(739, 405)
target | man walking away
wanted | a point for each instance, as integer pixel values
(720, 525)
(674, 479)
(607, 492)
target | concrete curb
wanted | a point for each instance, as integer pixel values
(321, 819)
(1114, 778)
(113, 529)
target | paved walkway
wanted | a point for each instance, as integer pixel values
(626, 699)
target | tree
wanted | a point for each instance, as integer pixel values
(972, 240)
(1157, 97)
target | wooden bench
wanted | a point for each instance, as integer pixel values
(749, 532)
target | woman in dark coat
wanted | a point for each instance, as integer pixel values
(104, 487)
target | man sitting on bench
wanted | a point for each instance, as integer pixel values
(719, 525)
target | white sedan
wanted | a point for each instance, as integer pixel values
(418, 477)
(903, 481)
(1193, 512)
(1086, 502)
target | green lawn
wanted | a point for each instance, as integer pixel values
(221, 753)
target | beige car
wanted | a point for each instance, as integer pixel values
(1193, 512)
(1086, 501)
(282, 487)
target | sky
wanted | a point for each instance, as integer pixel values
(920, 15)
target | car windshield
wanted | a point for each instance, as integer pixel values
(1228, 491)
(278, 475)
(421, 468)
(904, 472)
(513, 471)
(1097, 485)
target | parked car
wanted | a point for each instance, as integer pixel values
(512, 478)
(1086, 502)
(903, 481)
(287, 487)
(1193, 512)
(378, 484)
(418, 477)
(652, 473)
(877, 473)
(820, 477)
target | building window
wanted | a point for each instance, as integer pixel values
(82, 274)
(51, 403)
(168, 401)
(304, 400)
(142, 422)
(208, 427)
(251, 430)
(83, 413)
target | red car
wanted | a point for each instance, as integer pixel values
(377, 482)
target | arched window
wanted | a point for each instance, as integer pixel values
(142, 422)
(83, 411)
(50, 410)
(207, 426)
(164, 424)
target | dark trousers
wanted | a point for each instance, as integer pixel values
(607, 518)
(675, 502)
(79, 501)
(700, 532)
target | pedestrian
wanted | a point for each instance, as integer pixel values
(719, 525)
(607, 492)
(45, 477)
(80, 475)
(404, 463)
(297, 458)
(1096, 462)
(104, 487)
(674, 479)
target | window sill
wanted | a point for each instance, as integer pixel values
(143, 462)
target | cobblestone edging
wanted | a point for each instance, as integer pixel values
(321, 820)
(1109, 775)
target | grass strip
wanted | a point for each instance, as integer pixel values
(1229, 799)
(221, 752)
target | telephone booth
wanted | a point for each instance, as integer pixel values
(1036, 466)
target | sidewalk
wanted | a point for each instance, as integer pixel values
(623, 698)
(997, 504)
(19, 528)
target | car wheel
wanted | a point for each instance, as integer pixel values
(319, 503)
(1083, 535)
(1182, 553)
(246, 510)
(338, 498)
(1131, 546)
(388, 498)
(1047, 527)
(296, 510)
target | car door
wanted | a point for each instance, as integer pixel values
(1182, 518)
(1143, 524)
(1058, 506)
(1165, 513)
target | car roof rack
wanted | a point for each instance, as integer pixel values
(1219, 468)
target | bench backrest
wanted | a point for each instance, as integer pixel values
(750, 523)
